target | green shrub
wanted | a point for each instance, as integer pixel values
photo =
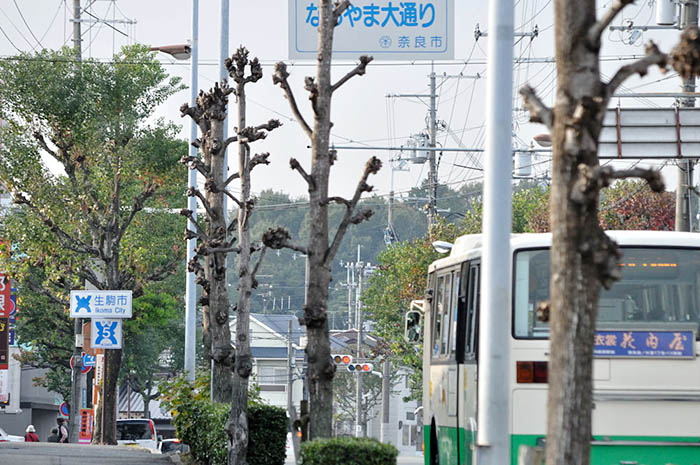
(348, 451)
(201, 424)
(268, 435)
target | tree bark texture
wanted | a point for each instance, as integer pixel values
(237, 424)
(583, 258)
(209, 113)
(319, 250)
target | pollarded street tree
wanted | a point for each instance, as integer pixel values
(216, 240)
(81, 220)
(583, 257)
(319, 250)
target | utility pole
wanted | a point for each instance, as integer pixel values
(358, 309)
(77, 378)
(689, 18)
(386, 387)
(290, 397)
(493, 435)
(432, 181)
(190, 285)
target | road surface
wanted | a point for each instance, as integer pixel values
(43, 453)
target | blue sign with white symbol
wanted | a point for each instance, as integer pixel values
(385, 29)
(88, 360)
(100, 304)
(644, 344)
(106, 334)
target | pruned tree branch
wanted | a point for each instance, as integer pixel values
(260, 159)
(539, 112)
(189, 215)
(280, 77)
(253, 133)
(338, 200)
(194, 192)
(230, 141)
(278, 238)
(338, 9)
(258, 263)
(233, 197)
(358, 70)
(592, 179)
(312, 88)
(195, 163)
(596, 30)
(372, 167)
(654, 56)
(295, 165)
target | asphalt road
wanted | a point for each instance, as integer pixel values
(42, 453)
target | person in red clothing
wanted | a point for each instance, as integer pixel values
(31, 435)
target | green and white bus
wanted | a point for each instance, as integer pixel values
(646, 372)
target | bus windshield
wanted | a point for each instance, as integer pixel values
(658, 286)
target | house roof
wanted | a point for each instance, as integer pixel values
(278, 323)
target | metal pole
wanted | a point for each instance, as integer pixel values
(223, 75)
(358, 387)
(190, 287)
(77, 377)
(386, 386)
(493, 435)
(432, 181)
(290, 394)
(685, 167)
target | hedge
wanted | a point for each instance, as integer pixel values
(348, 451)
(201, 424)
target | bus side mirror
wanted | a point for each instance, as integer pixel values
(413, 326)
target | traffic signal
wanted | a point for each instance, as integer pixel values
(361, 367)
(342, 359)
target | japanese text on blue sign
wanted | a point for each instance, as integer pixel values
(100, 304)
(644, 344)
(386, 29)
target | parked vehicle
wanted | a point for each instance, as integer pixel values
(4, 437)
(139, 432)
(173, 446)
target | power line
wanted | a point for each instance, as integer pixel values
(25, 23)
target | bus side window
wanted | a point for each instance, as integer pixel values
(461, 295)
(472, 314)
(438, 309)
(446, 312)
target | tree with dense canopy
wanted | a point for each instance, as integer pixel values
(83, 160)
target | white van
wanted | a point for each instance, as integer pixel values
(139, 432)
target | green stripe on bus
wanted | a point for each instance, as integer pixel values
(641, 454)
(600, 454)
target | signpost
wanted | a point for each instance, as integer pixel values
(385, 29)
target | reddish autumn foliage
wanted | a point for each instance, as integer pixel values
(628, 205)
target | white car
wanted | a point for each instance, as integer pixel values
(4, 437)
(139, 432)
(173, 446)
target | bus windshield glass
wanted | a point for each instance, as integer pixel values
(658, 286)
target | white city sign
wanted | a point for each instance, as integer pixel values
(385, 29)
(100, 304)
(106, 333)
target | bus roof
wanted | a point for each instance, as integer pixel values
(469, 246)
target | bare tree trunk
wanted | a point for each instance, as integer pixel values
(237, 425)
(583, 258)
(320, 251)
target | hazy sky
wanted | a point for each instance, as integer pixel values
(362, 114)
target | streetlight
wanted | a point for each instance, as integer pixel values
(179, 51)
